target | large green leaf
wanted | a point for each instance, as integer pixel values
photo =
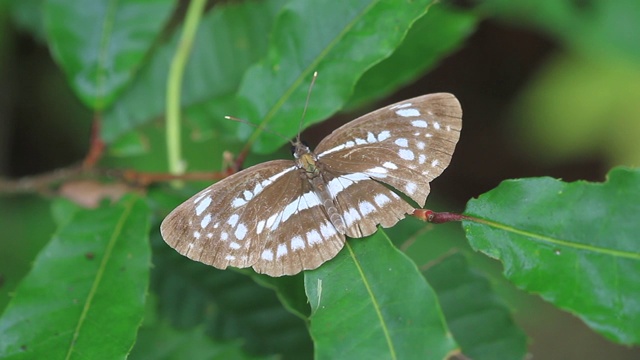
(479, 321)
(431, 38)
(101, 43)
(339, 39)
(84, 297)
(576, 244)
(371, 302)
(230, 38)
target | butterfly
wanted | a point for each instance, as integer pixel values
(284, 216)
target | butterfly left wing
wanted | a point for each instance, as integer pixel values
(404, 145)
(264, 217)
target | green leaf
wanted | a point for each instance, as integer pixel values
(85, 295)
(100, 44)
(431, 38)
(229, 305)
(371, 302)
(576, 244)
(230, 38)
(290, 291)
(563, 113)
(162, 342)
(470, 304)
(26, 226)
(339, 39)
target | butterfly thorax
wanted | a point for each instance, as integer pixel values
(306, 160)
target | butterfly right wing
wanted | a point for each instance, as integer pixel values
(264, 216)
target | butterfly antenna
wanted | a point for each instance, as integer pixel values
(306, 104)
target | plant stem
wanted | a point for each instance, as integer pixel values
(176, 72)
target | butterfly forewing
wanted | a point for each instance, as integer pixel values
(283, 216)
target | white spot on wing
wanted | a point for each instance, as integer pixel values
(420, 145)
(272, 219)
(327, 230)
(402, 142)
(384, 135)
(436, 125)
(282, 251)
(257, 189)
(313, 237)
(297, 243)
(390, 165)
(371, 138)
(366, 208)
(381, 199)
(237, 202)
(203, 205)
(241, 231)
(196, 234)
(408, 112)
(419, 123)
(350, 216)
(206, 220)
(378, 172)
(247, 195)
(435, 163)
(204, 193)
(260, 226)
(411, 188)
(406, 154)
(422, 158)
(229, 257)
(234, 245)
(267, 255)
(224, 236)
(233, 220)
(361, 141)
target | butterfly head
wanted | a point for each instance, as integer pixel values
(299, 148)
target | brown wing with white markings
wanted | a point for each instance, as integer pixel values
(264, 217)
(404, 145)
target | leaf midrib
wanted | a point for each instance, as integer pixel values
(100, 274)
(558, 242)
(374, 302)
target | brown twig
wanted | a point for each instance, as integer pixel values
(96, 145)
(42, 183)
(438, 217)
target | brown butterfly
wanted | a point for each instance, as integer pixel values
(284, 216)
